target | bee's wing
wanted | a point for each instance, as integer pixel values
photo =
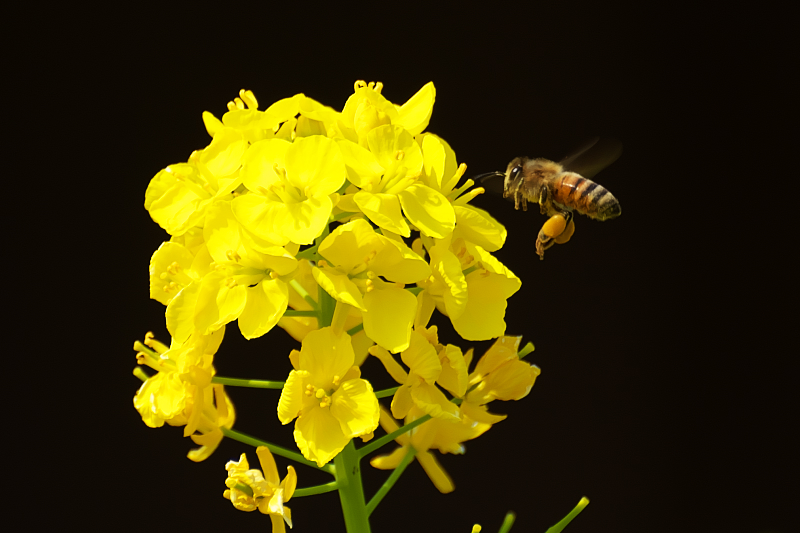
(593, 157)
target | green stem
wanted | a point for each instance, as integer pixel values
(327, 308)
(316, 489)
(386, 392)
(309, 253)
(295, 312)
(377, 443)
(351, 491)
(355, 329)
(373, 503)
(414, 290)
(304, 294)
(252, 383)
(277, 450)
(508, 521)
(572, 514)
(343, 214)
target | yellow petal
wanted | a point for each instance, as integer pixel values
(432, 401)
(480, 413)
(339, 287)
(301, 222)
(218, 302)
(454, 377)
(291, 400)
(319, 436)
(398, 262)
(428, 210)
(421, 358)
(415, 114)
(393, 146)
(504, 349)
(402, 402)
(257, 214)
(289, 484)
(390, 364)
(277, 523)
(259, 162)
(326, 355)
(170, 271)
(447, 269)
(363, 170)
(478, 226)
(181, 311)
(388, 317)
(390, 461)
(268, 466)
(266, 303)
(441, 480)
(483, 317)
(315, 164)
(356, 407)
(384, 210)
(224, 155)
(350, 244)
(439, 163)
(212, 123)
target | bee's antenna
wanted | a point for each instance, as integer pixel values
(488, 175)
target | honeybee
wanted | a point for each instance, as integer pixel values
(559, 191)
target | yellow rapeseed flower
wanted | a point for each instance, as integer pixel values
(446, 435)
(326, 394)
(181, 393)
(292, 186)
(498, 375)
(250, 489)
(355, 259)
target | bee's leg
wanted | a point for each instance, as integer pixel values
(544, 201)
(558, 229)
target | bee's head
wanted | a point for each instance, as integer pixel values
(513, 176)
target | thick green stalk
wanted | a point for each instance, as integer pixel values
(351, 491)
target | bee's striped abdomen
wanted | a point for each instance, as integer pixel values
(585, 196)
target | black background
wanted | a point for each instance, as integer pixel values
(664, 336)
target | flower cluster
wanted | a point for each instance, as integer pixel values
(347, 229)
